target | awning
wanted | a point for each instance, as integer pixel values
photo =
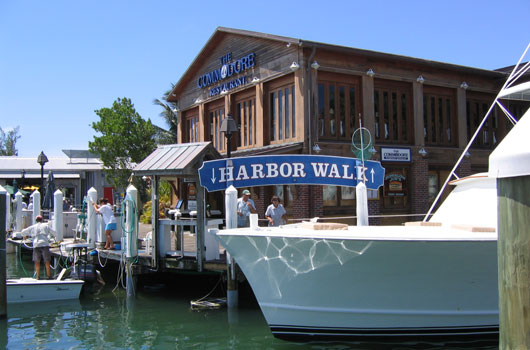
(177, 160)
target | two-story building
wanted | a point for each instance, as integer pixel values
(293, 96)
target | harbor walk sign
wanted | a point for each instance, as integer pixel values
(219, 174)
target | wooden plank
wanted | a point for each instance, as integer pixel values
(514, 264)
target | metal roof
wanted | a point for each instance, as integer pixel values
(15, 163)
(177, 160)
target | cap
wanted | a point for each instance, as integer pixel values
(246, 192)
(38, 218)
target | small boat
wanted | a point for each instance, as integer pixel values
(23, 290)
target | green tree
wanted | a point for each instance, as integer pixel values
(8, 141)
(126, 138)
(170, 116)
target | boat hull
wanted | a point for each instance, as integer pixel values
(347, 288)
(25, 290)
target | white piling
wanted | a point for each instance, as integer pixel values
(18, 213)
(36, 206)
(131, 231)
(58, 226)
(4, 191)
(131, 227)
(232, 293)
(362, 204)
(8, 211)
(92, 197)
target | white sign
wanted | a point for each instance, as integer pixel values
(395, 154)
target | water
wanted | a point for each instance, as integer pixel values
(158, 318)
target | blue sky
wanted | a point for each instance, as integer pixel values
(61, 60)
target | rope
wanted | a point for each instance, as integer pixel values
(211, 291)
(99, 261)
(21, 263)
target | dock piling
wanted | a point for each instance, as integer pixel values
(131, 232)
(3, 271)
(231, 222)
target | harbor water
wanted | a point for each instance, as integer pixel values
(159, 317)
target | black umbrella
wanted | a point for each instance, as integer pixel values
(50, 190)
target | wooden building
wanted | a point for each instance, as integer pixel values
(292, 96)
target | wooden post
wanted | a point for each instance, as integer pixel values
(200, 227)
(154, 222)
(514, 262)
(3, 233)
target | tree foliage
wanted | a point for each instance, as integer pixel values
(126, 138)
(8, 141)
(170, 116)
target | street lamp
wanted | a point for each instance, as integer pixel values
(42, 159)
(228, 126)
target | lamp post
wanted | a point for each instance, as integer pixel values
(42, 159)
(228, 126)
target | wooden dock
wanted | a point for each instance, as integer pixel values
(175, 259)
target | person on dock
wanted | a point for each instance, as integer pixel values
(105, 209)
(40, 233)
(275, 212)
(245, 206)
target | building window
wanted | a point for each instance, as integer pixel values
(286, 193)
(439, 117)
(337, 109)
(392, 111)
(477, 105)
(282, 113)
(192, 129)
(436, 181)
(341, 196)
(216, 136)
(246, 122)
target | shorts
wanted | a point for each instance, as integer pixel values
(41, 251)
(110, 227)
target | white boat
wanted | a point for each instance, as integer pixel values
(373, 281)
(435, 279)
(24, 290)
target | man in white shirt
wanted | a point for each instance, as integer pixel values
(245, 206)
(40, 233)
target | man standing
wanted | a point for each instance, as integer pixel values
(275, 212)
(105, 209)
(40, 233)
(245, 206)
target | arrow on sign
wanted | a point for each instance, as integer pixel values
(213, 176)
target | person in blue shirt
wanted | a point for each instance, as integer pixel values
(275, 212)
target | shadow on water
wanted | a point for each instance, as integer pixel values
(160, 317)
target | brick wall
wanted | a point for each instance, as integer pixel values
(374, 208)
(464, 169)
(308, 202)
(419, 186)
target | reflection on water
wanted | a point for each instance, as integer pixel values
(158, 318)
